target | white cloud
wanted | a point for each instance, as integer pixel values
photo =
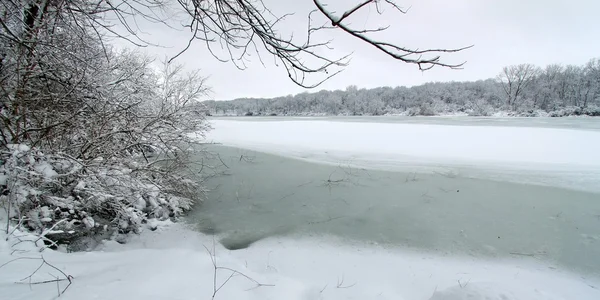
(504, 32)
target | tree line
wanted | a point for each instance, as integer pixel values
(519, 90)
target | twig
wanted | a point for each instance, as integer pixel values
(219, 156)
(57, 286)
(8, 215)
(340, 284)
(246, 158)
(45, 232)
(329, 183)
(309, 182)
(233, 273)
(325, 221)
(465, 284)
(19, 258)
(68, 278)
(286, 196)
(17, 250)
(43, 282)
(21, 219)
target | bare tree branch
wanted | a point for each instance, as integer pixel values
(407, 55)
(238, 27)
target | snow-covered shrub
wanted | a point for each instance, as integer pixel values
(480, 107)
(421, 110)
(88, 198)
(593, 111)
(92, 139)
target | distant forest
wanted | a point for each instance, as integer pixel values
(519, 90)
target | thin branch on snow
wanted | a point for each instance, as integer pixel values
(463, 285)
(340, 283)
(216, 286)
(67, 277)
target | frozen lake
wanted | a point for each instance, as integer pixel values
(582, 123)
(491, 188)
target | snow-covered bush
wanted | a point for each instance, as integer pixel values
(592, 111)
(480, 107)
(425, 109)
(78, 199)
(93, 139)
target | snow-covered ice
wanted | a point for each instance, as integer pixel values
(558, 155)
(173, 263)
(426, 143)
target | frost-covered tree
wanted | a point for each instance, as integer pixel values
(515, 79)
(531, 91)
(591, 73)
(94, 140)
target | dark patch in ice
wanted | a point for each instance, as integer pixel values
(239, 243)
(243, 239)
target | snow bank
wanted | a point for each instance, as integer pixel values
(173, 263)
(563, 152)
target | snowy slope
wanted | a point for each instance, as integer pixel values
(172, 263)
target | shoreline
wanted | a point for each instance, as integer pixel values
(173, 263)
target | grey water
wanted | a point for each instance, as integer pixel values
(255, 195)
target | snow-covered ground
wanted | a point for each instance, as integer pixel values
(173, 263)
(552, 156)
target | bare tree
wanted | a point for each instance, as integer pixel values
(548, 88)
(592, 75)
(240, 27)
(244, 26)
(515, 79)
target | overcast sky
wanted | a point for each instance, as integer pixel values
(504, 32)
